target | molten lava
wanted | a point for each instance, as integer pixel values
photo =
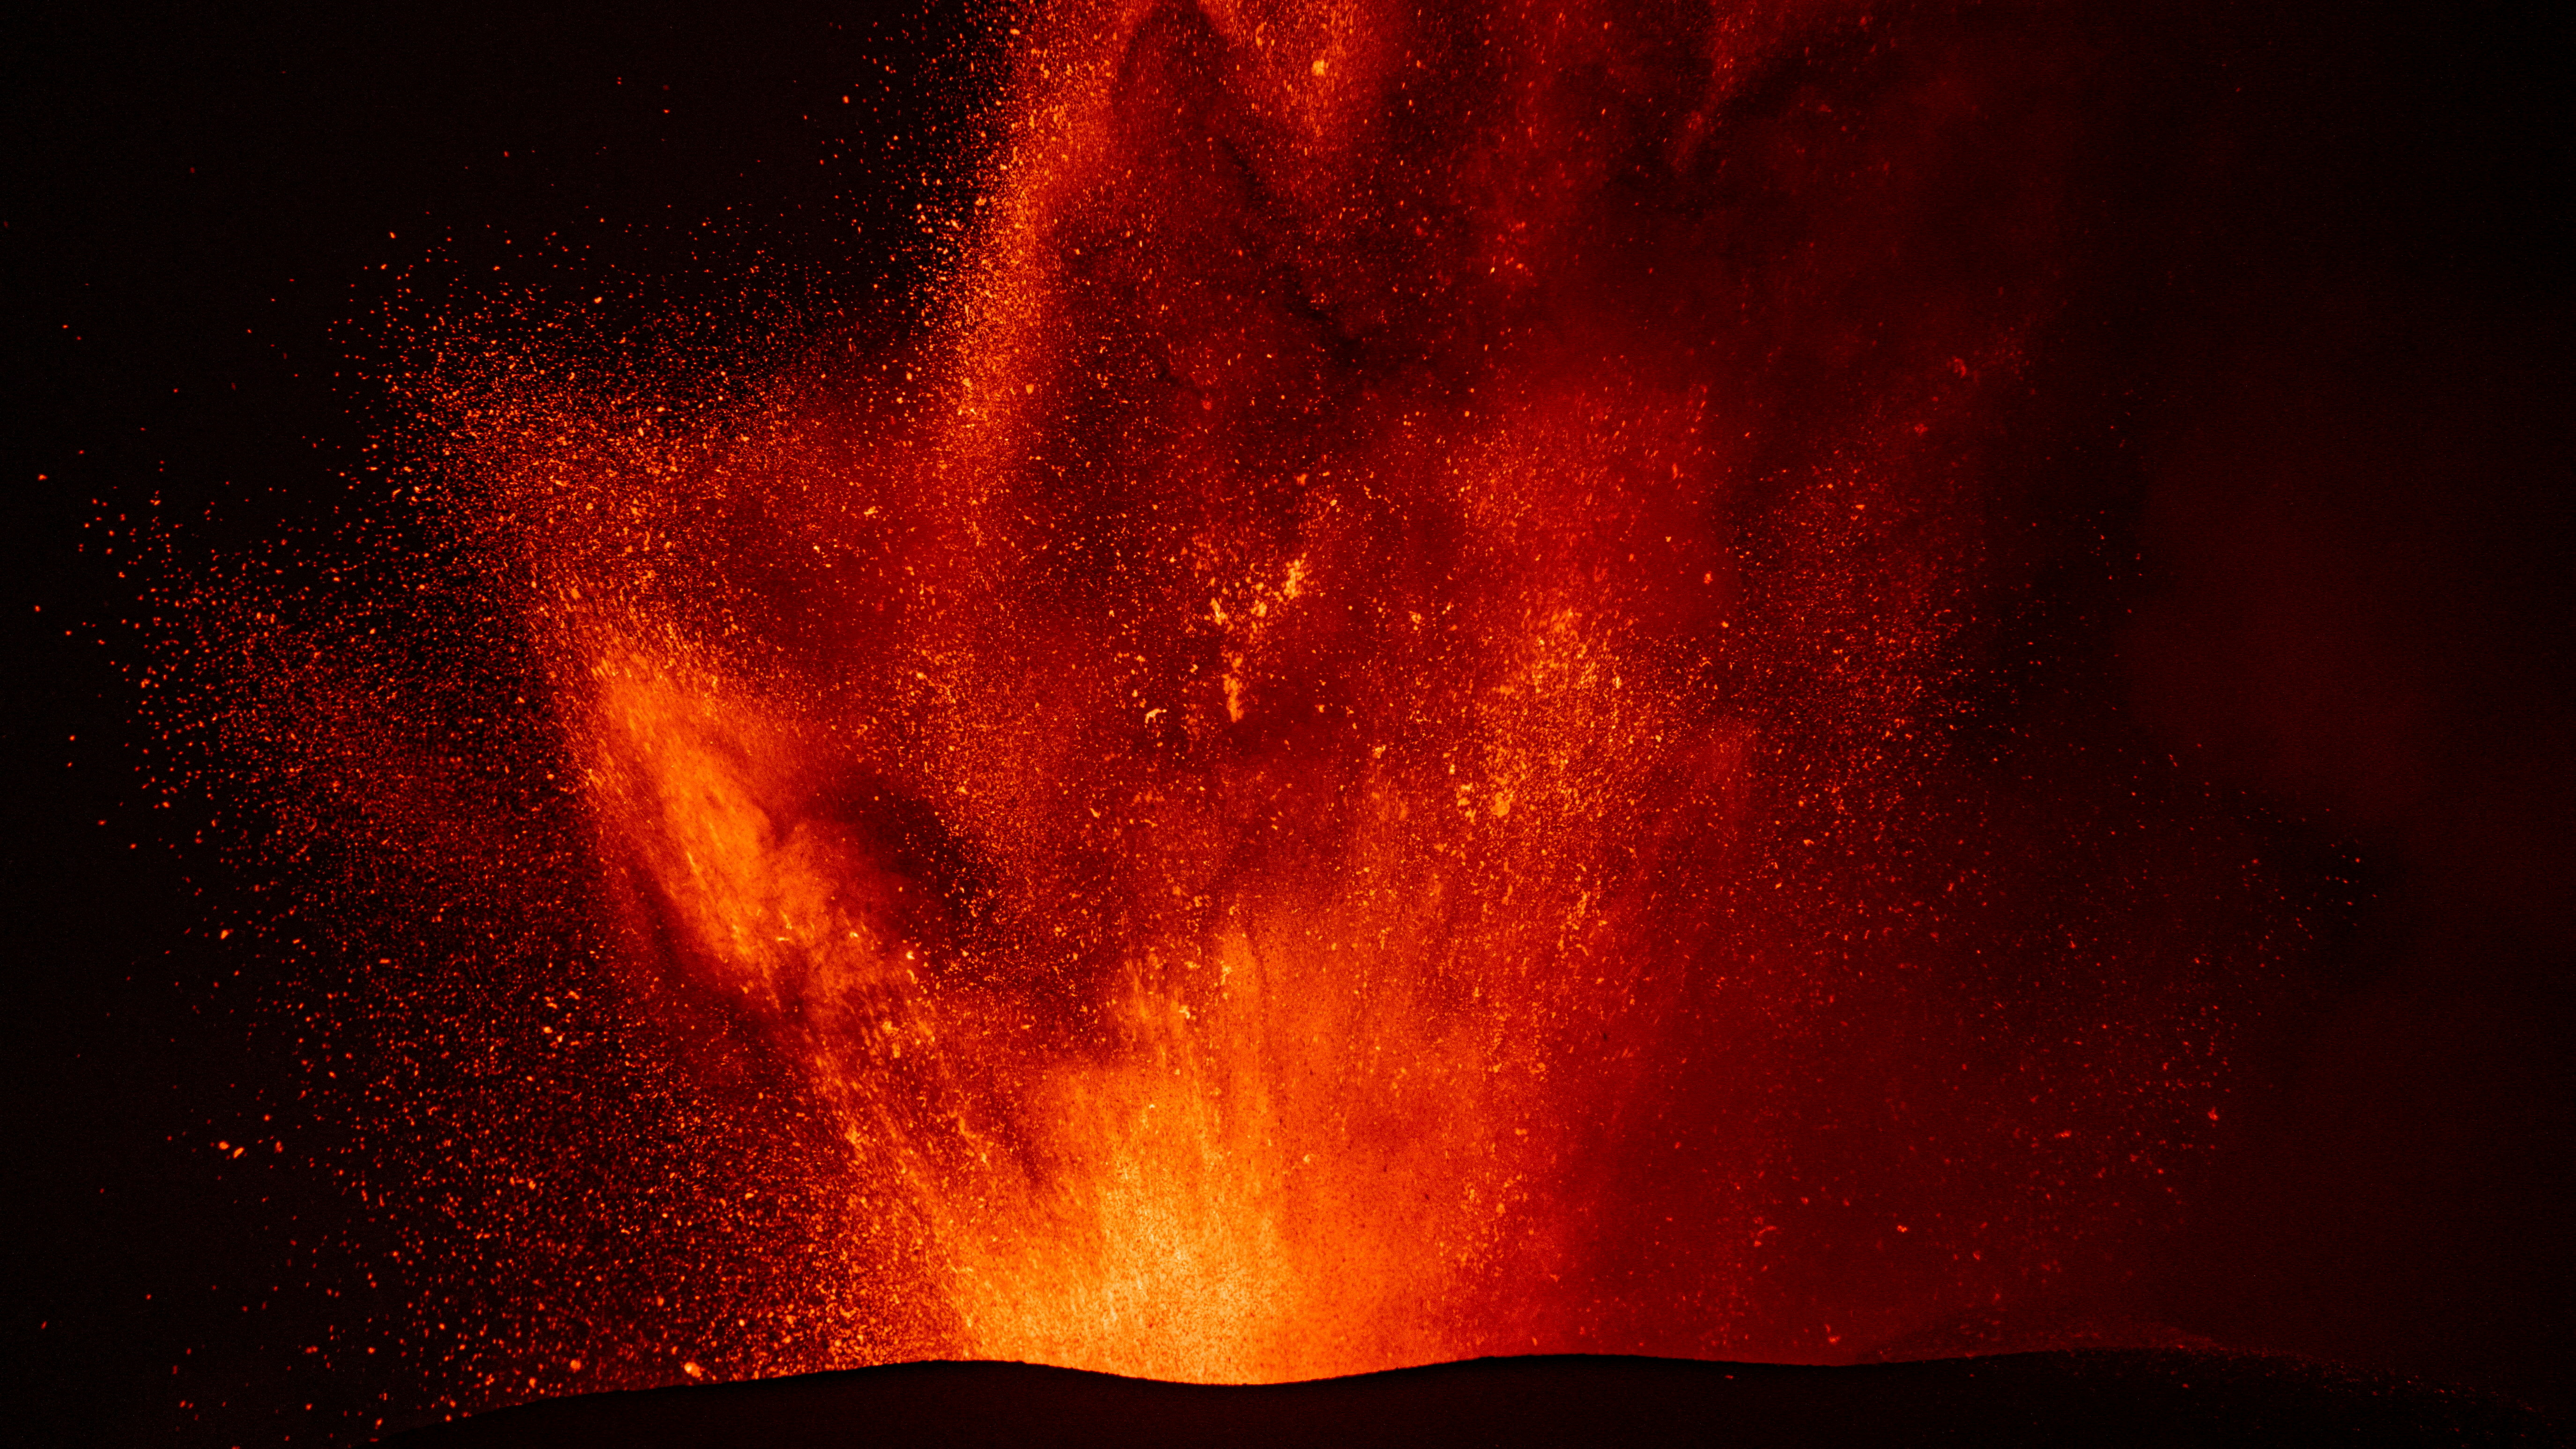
(1402, 736)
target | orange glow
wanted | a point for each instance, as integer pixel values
(1366, 757)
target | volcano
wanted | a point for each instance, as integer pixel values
(1240, 700)
(2099, 1397)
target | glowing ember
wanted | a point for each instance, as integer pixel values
(1403, 737)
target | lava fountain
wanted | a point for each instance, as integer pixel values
(1408, 728)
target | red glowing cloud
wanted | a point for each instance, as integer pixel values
(1430, 718)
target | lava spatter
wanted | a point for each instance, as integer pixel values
(1402, 737)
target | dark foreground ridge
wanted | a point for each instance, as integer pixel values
(2081, 1397)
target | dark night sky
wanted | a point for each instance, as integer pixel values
(2368, 641)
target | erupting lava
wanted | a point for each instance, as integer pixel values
(1404, 736)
